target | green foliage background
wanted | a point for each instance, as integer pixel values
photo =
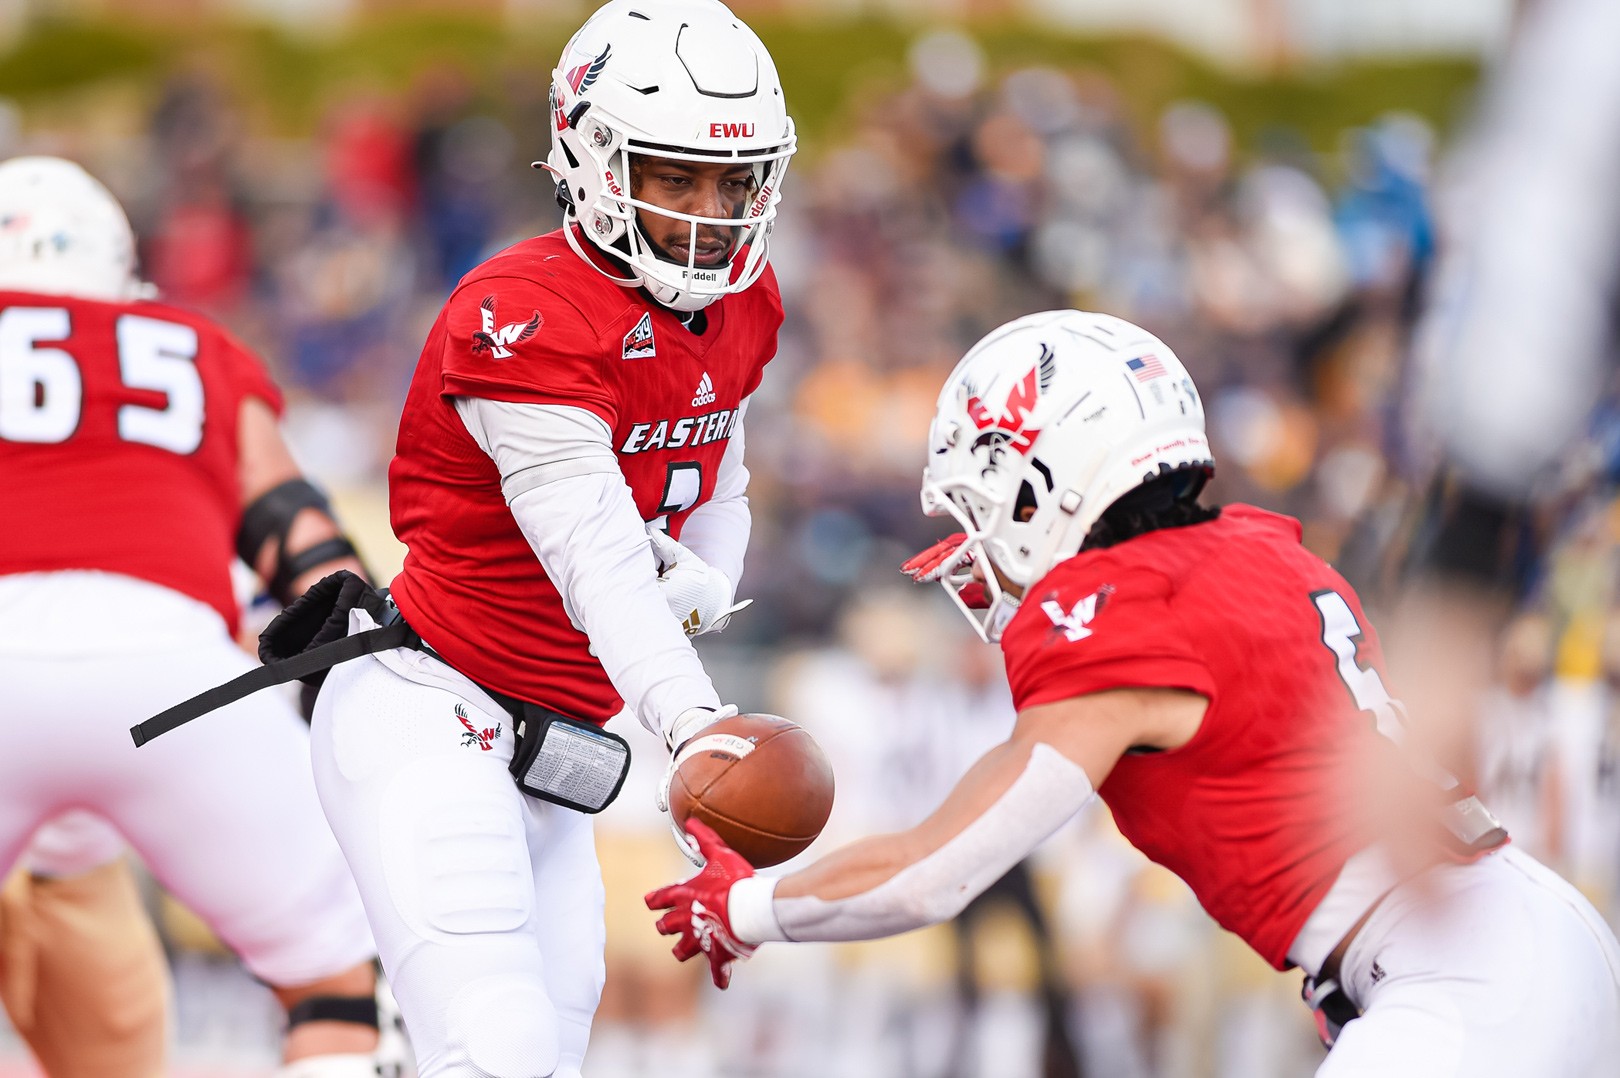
(829, 67)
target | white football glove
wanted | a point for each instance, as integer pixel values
(699, 595)
(687, 725)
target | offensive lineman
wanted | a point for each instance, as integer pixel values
(580, 395)
(139, 447)
(82, 973)
(1218, 685)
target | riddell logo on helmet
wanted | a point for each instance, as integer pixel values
(731, 130)
(761, 201)
(1019, 403)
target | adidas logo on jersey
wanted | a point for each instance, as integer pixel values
(705, 392)
(638, 343)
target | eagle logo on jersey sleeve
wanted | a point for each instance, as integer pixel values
(498, 342)
(1074, 623)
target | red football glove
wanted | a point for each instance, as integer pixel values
(941, 560)
(697, 907)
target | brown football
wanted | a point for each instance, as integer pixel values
(760, 781)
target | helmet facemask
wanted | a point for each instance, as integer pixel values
(613, 218)
(1017, 526)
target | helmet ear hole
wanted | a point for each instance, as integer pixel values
(1024, 507)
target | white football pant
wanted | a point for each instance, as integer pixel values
(1499, 969)
(486, 903)
(72, 844)
(223, 810)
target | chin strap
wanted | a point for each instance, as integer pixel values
(571, 233)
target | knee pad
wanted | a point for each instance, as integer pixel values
(503, 1027)
(455, 852)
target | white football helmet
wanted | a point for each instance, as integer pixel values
(63, 233)
(1041, 427)
(677, 79)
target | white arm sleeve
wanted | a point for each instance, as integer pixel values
(564, 487)
(1051, 789)
(717, 531)
(533, 444)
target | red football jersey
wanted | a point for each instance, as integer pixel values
(534, 324)
(118, 442)
(1257, 813)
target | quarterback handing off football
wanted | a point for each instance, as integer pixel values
(760, 781)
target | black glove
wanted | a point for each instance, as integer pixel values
(320, 616)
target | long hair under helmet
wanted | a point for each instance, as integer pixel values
(679, 79)
(1042, 426)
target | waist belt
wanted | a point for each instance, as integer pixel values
(303, 642)
(1331, 1006)
(556, 757)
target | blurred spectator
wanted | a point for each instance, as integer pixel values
(1518, 766)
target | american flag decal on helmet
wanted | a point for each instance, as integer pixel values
(1146, 368)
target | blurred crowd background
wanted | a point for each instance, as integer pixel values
(1266, 201)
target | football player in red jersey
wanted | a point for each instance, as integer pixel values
(139, 448)
(1218, 686)
(569, 474)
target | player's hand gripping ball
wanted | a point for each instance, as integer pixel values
(760, 781)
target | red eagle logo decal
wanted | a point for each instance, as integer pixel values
(1019, 404)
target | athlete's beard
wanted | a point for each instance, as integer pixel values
(726, 234)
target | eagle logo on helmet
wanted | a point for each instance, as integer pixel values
(579, 80)
(1008, 428)
(584, 76)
